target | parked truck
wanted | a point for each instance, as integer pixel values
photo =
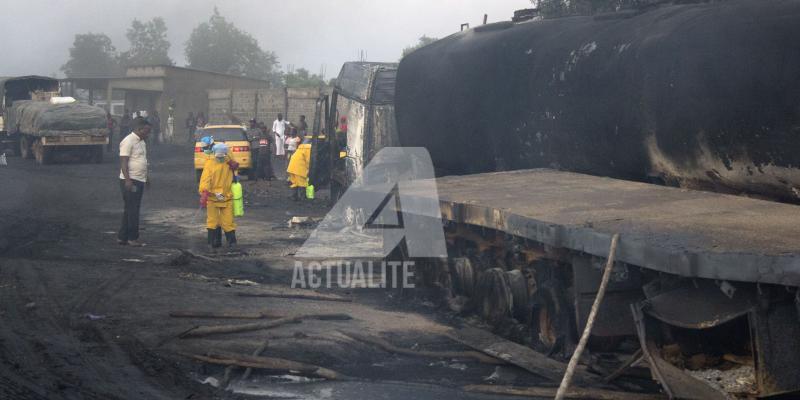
(21, 88)
(55, 127)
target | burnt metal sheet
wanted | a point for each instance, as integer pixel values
(683, 232)
(700, 305)
(676, 383)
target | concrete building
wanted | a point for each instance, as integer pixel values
(264, 104)
(157, 87)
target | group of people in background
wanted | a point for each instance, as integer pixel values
(193, 123)
(281, 141)
(126, 125)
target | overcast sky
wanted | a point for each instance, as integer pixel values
(37, 34)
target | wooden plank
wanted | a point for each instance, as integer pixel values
(573, 393)
(513, 353)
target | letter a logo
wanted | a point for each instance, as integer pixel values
(398, 201)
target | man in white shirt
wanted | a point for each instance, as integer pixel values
(279, 129)
(132, 180)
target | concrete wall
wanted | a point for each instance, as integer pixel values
(190, 91)
(264, 104)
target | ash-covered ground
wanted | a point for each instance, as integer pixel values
(83, 317)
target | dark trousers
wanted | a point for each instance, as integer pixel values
(254, 158)
(130, 217)
(265, 164)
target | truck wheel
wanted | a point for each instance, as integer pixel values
(552, 324)
(41, 153)
(198, 173)
(251, 174)
(25, 148)
(97, 156)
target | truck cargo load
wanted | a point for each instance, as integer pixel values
(44, 127)
(38, 118)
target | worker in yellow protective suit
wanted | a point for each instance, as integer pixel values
(298, 168)
(215, 193)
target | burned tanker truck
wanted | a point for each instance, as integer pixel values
(676, 127)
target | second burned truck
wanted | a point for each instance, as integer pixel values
(583, 112)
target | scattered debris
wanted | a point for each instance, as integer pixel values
(240, 282)
(211, 381)
(201, 331)
(30, 305)
(458, 366)
(94, 317)
(257, 352)
(3, 161)
(501, 375)
(268, 363)
(295, 295)
(633, 359)
(299, 222)
(514, 353)
(225, 315)
(187, 253)
(572, 393)
(739, 381)
(196, 277)
(383, 344)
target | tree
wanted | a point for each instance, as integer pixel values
(149, 44)
(303, 78)
(92, 54)
(217, 45)
(423, 41)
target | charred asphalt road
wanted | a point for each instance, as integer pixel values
(83, 317)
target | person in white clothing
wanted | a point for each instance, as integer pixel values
(291, 143)
(279, 129)
(132, 180)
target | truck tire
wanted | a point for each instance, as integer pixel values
(198, 173)
(43, 154)
(251, 174)
(25, 148)
(97, 154)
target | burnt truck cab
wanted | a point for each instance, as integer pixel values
(364, 94)
(31, 87)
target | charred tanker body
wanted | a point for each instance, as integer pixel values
(702, 95)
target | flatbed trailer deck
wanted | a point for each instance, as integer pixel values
(527, 246)
(685, 232)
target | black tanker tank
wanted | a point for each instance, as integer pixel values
(701, 94)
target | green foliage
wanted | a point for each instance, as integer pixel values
(423, 41)
(149, 44)
(217, 45)
(92, 54)
(303, 78)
